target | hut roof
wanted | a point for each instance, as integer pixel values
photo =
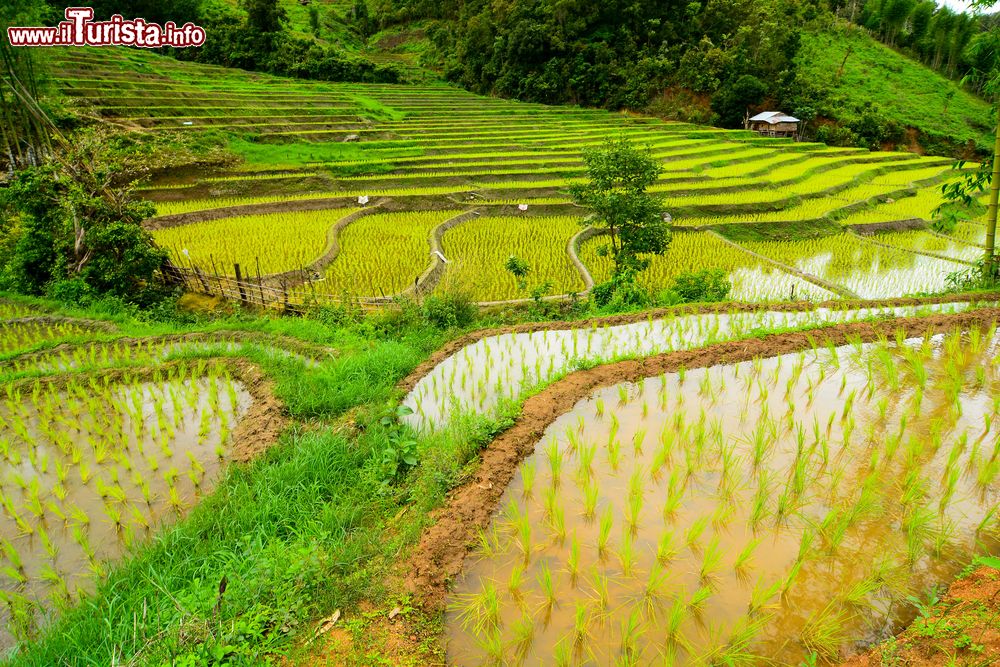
(772, 117)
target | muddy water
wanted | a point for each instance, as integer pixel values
(501, 367)
(82, 482)
(765, 510)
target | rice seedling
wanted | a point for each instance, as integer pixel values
(744, 560)
(626, 553)
(632, 630)
(696, 603)
(692, 536)
(554, 457)
(547, 586)
(711, 561)
(528, 474)
(524, 634)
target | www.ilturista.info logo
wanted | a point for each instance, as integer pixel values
(80, 30)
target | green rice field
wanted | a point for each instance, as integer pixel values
(314, 151)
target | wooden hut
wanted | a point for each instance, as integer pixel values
(774, 124)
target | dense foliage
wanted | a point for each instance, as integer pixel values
(249, 34)
(71, 226)
(615, 54)
(712, 62)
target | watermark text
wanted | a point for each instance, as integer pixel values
(79, 29)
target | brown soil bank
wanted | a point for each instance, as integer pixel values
(962, 629)
(454, 345)
(440, 554)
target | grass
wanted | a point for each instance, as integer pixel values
(300, 154)
(274, 528)
(873, 73)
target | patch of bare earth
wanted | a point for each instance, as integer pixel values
(963, 629)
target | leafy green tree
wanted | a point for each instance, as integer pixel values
(619, 175)
(75, 219)
(733, 99)
(265, 16)
(962, 191)
(265, 23)
(520, 269)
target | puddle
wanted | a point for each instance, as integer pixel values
(88, 470)
(501, 367)
(760, 511)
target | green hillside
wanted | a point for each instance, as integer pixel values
(855, 70)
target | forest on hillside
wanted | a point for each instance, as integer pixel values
(710, 61)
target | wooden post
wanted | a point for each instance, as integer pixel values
(204, 284)
(218, 278)
(260, 283)
(239, 284)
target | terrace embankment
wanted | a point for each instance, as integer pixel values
(962, 629)
(441, 552)
(121, 347)
(451, 347)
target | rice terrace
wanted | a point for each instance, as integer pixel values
(392, 332)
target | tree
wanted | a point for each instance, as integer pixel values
(265, 16)
(75, 219)
(520, 269)
(991, 217)
(619, 175)
(265, 20)
(733, 99)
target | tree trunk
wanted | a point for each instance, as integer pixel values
(991, 216)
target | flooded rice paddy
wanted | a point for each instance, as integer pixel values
(90, 467)
(763, 511)
(501, 367)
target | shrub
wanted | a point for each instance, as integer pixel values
(702, 286)
(620, 293)
(449, 309)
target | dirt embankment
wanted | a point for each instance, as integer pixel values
(962, 629)
(440, 554)
(456, 344)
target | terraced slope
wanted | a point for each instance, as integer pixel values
(313, 149)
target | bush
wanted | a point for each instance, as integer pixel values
(345, 313)
(450, 309)
(74, 291)
(702, 286)
(402, 315)
(620, 293)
